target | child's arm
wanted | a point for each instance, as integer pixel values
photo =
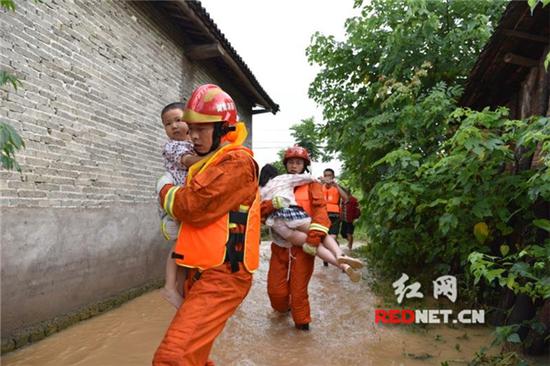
(174, 152)
(181, 153)
(297, 180)
(292, 180)
(190, 159)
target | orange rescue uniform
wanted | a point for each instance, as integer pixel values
(225, 185)
(290, 269)
(332, 197)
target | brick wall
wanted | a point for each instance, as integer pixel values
(95, 76)
(94, 80)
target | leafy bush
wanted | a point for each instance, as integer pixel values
(525, 272)
(431, 172)
(440, 182)
(435, 209)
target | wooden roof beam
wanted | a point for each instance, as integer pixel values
(184, 7)
(524, 35)
(204, 51)
(511, 58)
(260, 111)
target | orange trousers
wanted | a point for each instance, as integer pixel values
(287, 279)
(209, 303)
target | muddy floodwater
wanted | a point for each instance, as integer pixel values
(343, 332)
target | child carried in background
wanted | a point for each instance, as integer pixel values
(292, 223)
(178, 154)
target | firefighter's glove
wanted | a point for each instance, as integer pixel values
(280, 202)
(310, 249)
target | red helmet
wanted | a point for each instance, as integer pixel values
(209, 103)
(297, 152)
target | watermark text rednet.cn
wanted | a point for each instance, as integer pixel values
(443, 286)
(429, 316)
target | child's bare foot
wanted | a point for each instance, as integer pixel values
(350, 261)
(172, 296)
(354, 276)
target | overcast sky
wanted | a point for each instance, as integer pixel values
(271, 37)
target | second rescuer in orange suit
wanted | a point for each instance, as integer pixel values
(290, 269)
(219, 237)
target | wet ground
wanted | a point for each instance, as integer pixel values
(343, 332)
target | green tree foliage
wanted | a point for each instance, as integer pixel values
(279, 162)
(533, 3)
(441, 185)
(445, 190)
(10, 141)
(306, 134)
(391, 40)
(6, 78)
(438, 180)
(7, 4)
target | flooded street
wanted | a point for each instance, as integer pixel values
(342, 333)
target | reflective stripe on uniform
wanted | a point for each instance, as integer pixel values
(169, 201)
(319, 227)
(163, 230)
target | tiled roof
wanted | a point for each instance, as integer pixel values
(201, 30)
(516, 45)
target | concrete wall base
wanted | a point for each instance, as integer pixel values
(39, 331)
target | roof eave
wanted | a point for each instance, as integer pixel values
(222, 49)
